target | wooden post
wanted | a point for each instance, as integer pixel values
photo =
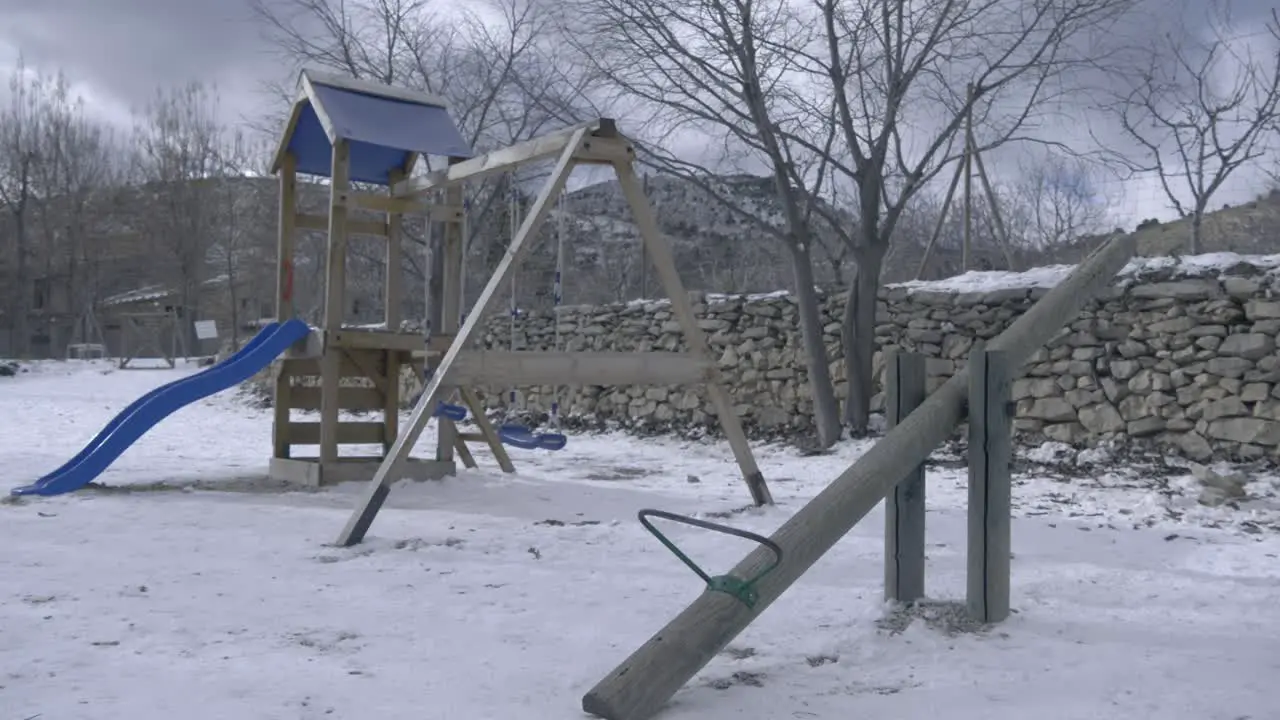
(993, 205)
(454, 265)
(284, 298)
(334, 301)
(392, 299)
(639, 686)
(942, 220)
(669, 275)
(990, 483)
(967, 239)
(375, 492)
(904, 508)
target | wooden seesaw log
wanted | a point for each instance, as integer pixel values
(645, 681)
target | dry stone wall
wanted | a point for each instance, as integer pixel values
(1180, 353)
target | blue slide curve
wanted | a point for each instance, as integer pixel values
(143, 414)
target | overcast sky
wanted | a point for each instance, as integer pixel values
(117, 52)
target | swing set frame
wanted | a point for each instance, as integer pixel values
(452, 367)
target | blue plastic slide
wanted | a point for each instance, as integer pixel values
(139, 417)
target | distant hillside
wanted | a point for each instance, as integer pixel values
(1252, 228)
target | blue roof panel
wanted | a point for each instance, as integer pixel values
(390, 122)
(370, 162)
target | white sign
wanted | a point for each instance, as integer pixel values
(206, 329)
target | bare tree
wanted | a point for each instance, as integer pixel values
(177, 160)
(1057, 198)
(1199, 105)
(242, 228)
(720, 70)
(903, 79)
(855, 98)
(76, 170)
(20, 129)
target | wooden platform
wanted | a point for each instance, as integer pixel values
(310, 472)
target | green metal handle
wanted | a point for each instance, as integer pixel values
(743, 590)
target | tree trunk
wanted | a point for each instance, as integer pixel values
(234, 314)
(1197, 219)
(858, 336)
(25, 286)
(826, 410)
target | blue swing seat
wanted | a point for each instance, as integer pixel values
(552, 441)
(456, 413)
(519, 436)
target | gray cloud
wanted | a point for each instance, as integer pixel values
(119, 52)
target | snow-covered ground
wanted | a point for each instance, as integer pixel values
(204, 593)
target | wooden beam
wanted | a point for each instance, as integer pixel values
(991, 375)
(393, 296)
(665, 263)
(285, 251)
(539, 148)
(503, 368)
(453, 270)
(606, 151)
(366, 87)
(349, 398)
(335, 291)
(311, 367)
(487, 431)
(383, 203)
(308, 471)
(904, 508)
(464, 452)
(375, 493)
(346, 433)
(642, 684)
(326, 122)
(361, 339)
(320, 223)
(371, 367)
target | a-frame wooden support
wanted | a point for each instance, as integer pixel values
(596, 142)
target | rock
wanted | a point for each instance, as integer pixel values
(1226, 407)
(1241, 288)
(1230, 483)
(1232, 367)
(1255, 392)
(1049, 409)
(1256, 431)
(1262, 310)
(1124, 369)
(1070, 433)
(1178, 290)
(1212, 497)
(1252, 346)
(1145, 427)
(1101, 418)
(1034, 388)
(1193, 445)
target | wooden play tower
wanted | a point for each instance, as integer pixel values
(351, 131)
(344, 369)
